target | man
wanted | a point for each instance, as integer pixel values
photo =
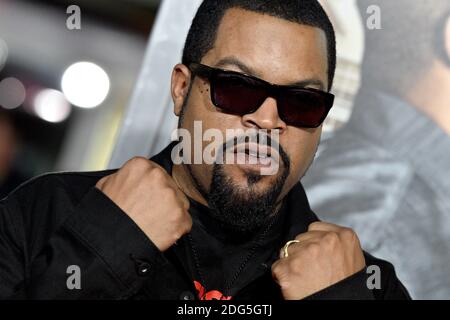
(386, 173)
(160, 230)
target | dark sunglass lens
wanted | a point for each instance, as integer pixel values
(237, 94)
(304, 108)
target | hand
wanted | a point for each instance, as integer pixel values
(149, 196)
(325, 255)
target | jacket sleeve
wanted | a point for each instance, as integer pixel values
(364, 285)
(98, 252)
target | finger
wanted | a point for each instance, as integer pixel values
(310, 236)
(289, 249)
(281, 254)
(302, 240)
(325, 227)
(172, 182)
(189, 223)
(100, 184)
(155, 165)
(137, 164)
(275, 265)
(181, 197)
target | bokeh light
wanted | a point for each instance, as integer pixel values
(12, 93)
(52, 106)
(85, 84)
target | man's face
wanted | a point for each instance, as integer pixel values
(275, 50)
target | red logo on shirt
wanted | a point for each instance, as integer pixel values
(211, 295)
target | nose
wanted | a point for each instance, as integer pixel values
(266, 117)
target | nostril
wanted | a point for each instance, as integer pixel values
(249, 122)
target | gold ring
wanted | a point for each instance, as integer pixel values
(286, 247)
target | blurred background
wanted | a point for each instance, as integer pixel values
(43, 127)
(46, 126)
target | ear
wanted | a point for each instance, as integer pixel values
(181, 79)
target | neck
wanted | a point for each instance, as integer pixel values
(186, 183)
(431, 96)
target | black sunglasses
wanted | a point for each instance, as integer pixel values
(241, 94)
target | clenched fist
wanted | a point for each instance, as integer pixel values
(149, 196)
(324, 256)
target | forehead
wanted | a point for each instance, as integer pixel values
(279, 50)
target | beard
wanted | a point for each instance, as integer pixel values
(244, 210)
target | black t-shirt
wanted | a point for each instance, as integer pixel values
(222, 262)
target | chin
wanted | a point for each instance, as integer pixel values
(249, 179)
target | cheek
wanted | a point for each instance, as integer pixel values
(301, 150)
(203, 175)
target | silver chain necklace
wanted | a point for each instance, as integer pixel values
(229, 284)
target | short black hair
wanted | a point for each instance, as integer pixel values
(203, 32)
(410, 39)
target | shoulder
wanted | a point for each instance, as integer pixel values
(73, 184)
(382, 275)
(50, 198)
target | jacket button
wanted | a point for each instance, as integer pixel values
(143, 269)
(187, 295)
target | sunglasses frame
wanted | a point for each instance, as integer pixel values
(273, 90)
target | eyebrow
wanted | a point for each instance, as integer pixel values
(233, 61)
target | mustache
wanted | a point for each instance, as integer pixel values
(262, 140)
(258, 138)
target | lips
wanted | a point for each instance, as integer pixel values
(254, 154)
(255, 149)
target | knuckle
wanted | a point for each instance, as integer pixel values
(331, 238)
(179, 215)
(138, 162)
(185, 202)
(296, 265)
(189, 222)
(157, 174)
(176, 236)
(284, 284)
(182, 230)
(314, 225)
(170, 193)
(278, 268)
(188, 227)
(313, 248)
(102, 182)
(348, 234)
(299, 237)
